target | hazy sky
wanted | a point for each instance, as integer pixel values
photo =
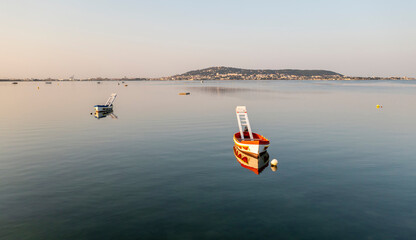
(156, 38)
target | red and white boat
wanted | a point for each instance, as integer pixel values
(245, 140)
(257, 165)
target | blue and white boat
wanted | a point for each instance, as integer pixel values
(108, 106)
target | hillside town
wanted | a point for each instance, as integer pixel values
(227, 73)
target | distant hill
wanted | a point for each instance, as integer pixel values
(226, 70)
(229, 73)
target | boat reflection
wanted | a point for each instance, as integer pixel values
(254, 164)
(99, 115)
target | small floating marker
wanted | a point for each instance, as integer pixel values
(184, 93)
(379, 106)
(38, 88)
(274, 162)
(126, 85)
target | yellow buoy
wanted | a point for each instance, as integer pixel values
(378, 106)
(38, 87)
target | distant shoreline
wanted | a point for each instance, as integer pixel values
(230, 73)
(161, 80)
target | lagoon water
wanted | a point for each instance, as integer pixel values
(165, 168)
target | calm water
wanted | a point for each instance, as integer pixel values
(165, 169)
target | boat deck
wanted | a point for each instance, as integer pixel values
(248, 139)
(257, 139)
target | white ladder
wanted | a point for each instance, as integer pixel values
(111, 99)
(243, 121)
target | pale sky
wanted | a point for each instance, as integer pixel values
(155, 38)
